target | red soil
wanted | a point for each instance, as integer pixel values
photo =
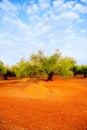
(53, 105)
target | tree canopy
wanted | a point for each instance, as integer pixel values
(3, 69)
(41, 66)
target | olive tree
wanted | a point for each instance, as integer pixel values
(46, 65)
(65, 67)
(83, 70)
(22, 69)
(80, 70)
(3, 70)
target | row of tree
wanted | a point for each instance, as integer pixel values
(41, 66)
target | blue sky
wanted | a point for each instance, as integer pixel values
(29, 25)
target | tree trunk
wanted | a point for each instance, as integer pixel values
(5, 76)
(85, 75)
(50, 76)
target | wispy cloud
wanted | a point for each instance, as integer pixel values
(46, 25)
(84, 1)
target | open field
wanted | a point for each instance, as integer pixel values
(54, 105)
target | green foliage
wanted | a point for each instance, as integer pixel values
(65, 66)
(36, 59)
(22, 69)
(83, 70)
(76, 70)
(2, 68)
(41, 66)
(49, 64)
(46, 66)
(80, 70)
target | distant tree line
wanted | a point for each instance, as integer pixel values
(41, 66)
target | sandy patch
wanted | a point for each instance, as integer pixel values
(35, 90)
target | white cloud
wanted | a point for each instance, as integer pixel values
(80, 20)
(8, 6)
(68, 5)
(47, 27)
(83, 31)
(57, 3)
(85, 1)
(70, 16)
(80, 8)
(33, 9)
(44, 4)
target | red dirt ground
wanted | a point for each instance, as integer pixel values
(54, 105)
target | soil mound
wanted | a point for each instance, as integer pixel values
(24, 80)
(35, 90)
